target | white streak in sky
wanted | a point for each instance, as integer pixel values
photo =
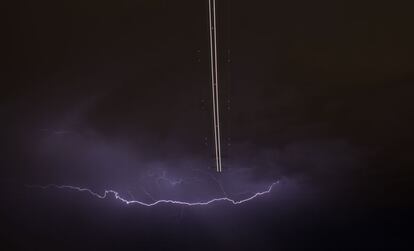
(214, 82)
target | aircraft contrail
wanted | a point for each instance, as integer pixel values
(214, 81)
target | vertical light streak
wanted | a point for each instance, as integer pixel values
(217, 91)
(214, 81)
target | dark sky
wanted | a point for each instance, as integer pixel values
(315, 93)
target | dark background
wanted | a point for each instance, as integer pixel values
(317, 93)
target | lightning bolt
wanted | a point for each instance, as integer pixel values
(118, 197)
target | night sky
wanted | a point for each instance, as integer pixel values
(317, 95)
